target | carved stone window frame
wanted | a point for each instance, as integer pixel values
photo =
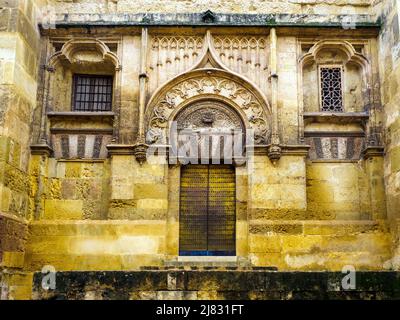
(65, 57)
(343, 75)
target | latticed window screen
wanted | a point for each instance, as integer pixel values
(331, 89)
(92, 93)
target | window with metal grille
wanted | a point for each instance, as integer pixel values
(92, 93)
(331, 82)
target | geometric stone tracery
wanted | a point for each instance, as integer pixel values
(331, 89)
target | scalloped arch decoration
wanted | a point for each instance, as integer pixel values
(71, 47)
(344, 46)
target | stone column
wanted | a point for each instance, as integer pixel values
(274, 151)
(140, 149)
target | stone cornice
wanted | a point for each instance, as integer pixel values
(221, 19)
(340, 118)
(120, 149)
(295, 150)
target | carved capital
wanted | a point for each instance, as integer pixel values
(50, 69)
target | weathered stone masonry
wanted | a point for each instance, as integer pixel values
(78, 193)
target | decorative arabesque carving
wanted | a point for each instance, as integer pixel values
(208, 87)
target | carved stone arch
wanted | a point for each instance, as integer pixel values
(210, 113)
(349, 59)
(344, 46)
(70, 50)
(352, 56)
(207, 84)
(216, 125)
(89, 56)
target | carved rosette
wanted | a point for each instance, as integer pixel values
(208, 87)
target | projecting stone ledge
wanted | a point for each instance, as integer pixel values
(214, 19)
(215, 285)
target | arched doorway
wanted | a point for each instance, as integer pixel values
(249, 109)
(207, 132)
(207, 214)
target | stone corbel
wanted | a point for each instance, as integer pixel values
(275, 153)
(373, 151)
(42, 149)
(140, 152)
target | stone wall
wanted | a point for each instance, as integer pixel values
(132, 210)
(231, 6)
(317, 212)
(389, 41)
(13, 236)
(19, 64)
(217, 285)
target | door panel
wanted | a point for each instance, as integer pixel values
(221, 209)
(193, 208)
(208, 210)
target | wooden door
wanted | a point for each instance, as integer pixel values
(208, 211)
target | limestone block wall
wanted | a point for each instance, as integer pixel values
(76, 191)
(19, 63)
(107, 215)
(138, 192)
(389, 42)
(311, 216)
(279, 191)
(100, 245)
(115, 214)
(231, 6)
(337, 191)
